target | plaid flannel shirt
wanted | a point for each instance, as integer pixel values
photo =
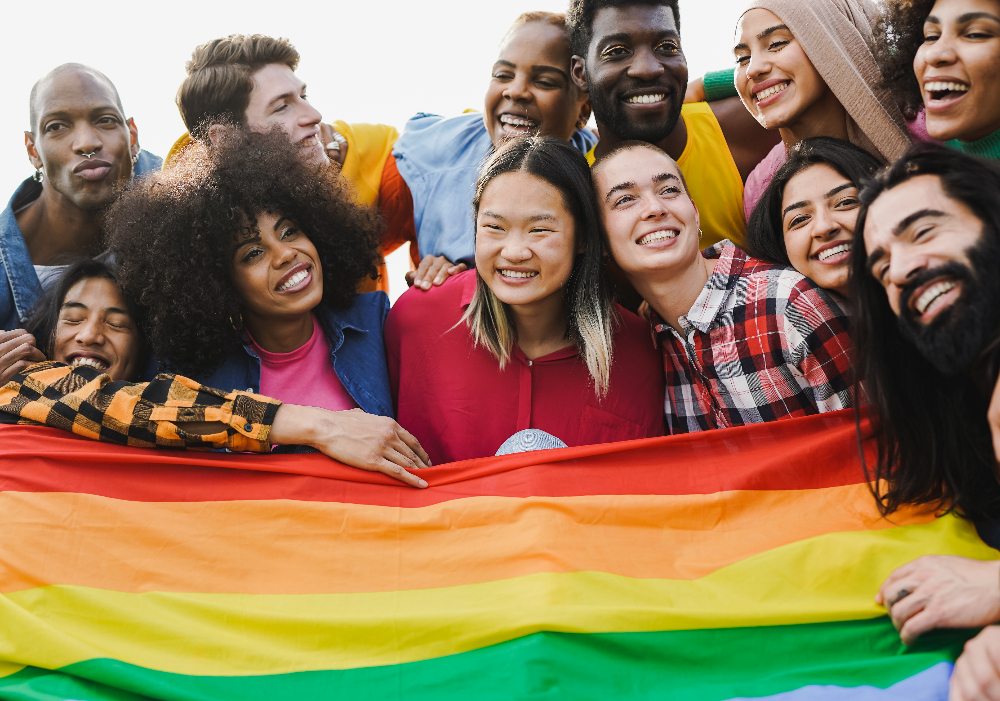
(146, 414)
(761, 343)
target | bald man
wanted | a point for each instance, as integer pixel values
(83, 149)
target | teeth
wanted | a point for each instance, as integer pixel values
(662, 235)
(932, 293)
(646, 99)
(294, 280)
(773, 90)
(835, 251)
(945, 87)
(517, 121)
(517, 273)
(88, 362)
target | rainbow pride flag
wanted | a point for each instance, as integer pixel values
(731, 564)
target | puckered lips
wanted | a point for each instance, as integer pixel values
(88, 359)
(296, 280)
(769, 91)
(933, 297)
(943, 92)
(514, 124)
(92, 169)
(659, 237)
(516, 275)
(833, 253)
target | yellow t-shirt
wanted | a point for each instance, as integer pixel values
(711, 174)
(368, 147)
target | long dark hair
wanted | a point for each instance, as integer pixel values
(933, 439)
(591, 317)
(765, 233)
(44, 316)
(173, 234)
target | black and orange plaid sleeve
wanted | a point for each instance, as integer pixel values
(146, 414)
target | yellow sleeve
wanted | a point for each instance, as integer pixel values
(368, 147)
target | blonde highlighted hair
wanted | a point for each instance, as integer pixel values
(592, 318)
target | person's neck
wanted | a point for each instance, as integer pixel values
(671, 294)
(53, 227)
(541, 326)
(986, 147)
(825, 118)
(280, 334)
(674, 143)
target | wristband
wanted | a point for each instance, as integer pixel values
(719, 85)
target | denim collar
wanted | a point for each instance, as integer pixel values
(14, 256)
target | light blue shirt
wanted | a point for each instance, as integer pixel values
(439, 159)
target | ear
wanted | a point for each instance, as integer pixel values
(578, 71)
(29, 145)
(215, 133)
(133, 137)
(585, 112)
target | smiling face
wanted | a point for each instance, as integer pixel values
(927, 251)
(531, 91)
(78, 114)
(277, 274)
(525, 240)
(819, 210)
(279, 98)
(635, 71)
(958, 69)
(95, 330)
(776, 80)
(648, 216)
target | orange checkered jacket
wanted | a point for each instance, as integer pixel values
(144, 414)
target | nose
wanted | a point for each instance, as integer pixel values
(645, 65)
(825, 226)
(517, 89)
(904, 264)
(309, 115)
(284, 255)
(91, 333)
(940, 52)
(86, 139)
(515, 249)
(758, 66)
(653, 209)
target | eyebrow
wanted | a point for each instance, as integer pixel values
(538, 68)
(803, 203)
(967, 17)
(80, 305)
(771, 30)
(278, 223)
(541, 216)
(662, 177)
(906, 222)
(286, 95)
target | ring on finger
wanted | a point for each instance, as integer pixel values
(900, 595)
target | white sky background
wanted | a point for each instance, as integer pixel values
(372, 61)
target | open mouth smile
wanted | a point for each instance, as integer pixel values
(657, 236)
(769, 91)
(517, 125)
(296, 279)
(89, 361)
(650, 99)
(941, 93)
(834, 253)
(518, 274)
(935, 297)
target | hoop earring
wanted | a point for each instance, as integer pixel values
(237, 323)
(701, 234)
(135, 159)
(37, 177)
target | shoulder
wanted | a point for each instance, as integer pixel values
(633, 335)
(441, 305)
(367, 312)
(367, 134)
(800, 300)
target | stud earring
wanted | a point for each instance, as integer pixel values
(135, 159)
(581, 123)
(37, 177)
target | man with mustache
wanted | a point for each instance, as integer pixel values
(83, 149)
(628, 56)
(927, 286)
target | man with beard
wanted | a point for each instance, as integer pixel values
(927, 282)
(628, 56)
(83, 149)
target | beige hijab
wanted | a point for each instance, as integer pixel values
(838, 36)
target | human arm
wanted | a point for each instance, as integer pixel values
(713, 86)
(329, 135)
(747, 140)
(17, 352)
(433, 270)
(941, 591)
(176, 412)
(977, 670)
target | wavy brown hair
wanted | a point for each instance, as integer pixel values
(173, 235)
(898, 35)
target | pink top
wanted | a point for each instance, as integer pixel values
(761, 176)
(305, 376)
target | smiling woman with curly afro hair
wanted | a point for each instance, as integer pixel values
(180, 236)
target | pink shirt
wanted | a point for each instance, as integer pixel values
(305, 376)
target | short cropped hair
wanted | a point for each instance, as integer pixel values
(220, 78)
(580, 18)
(79, 67)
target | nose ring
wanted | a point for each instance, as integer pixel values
(88, 155)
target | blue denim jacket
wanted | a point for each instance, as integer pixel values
(356, 352)
(19, 287)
